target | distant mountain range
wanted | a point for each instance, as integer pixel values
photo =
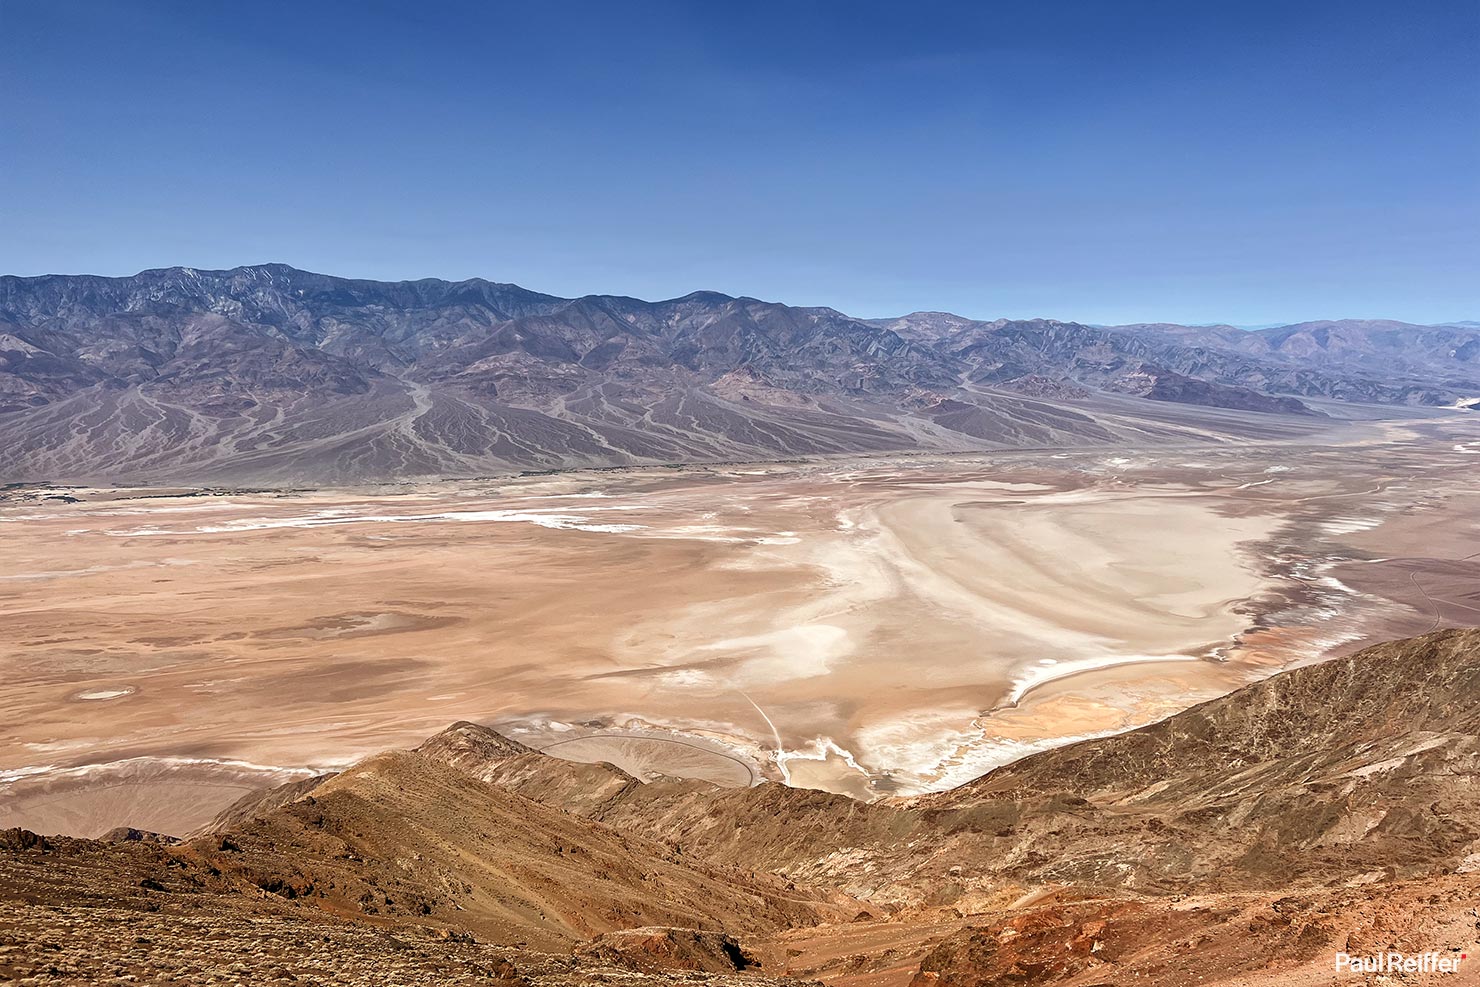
(271, 374)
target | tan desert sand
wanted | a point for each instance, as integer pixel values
(870, 627)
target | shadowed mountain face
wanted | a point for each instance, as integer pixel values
(1248, 839)
(271, 374)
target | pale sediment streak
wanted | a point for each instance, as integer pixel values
(150, 767)
(774, 732)
(1349, 525)
(91, 570)
(100, 695)
(543, 518)
(579, 522)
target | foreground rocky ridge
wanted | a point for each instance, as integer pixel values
(1329, 808)
(268, 374)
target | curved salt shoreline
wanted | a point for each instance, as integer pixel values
(1052, 670)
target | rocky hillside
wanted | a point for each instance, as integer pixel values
(1246, 840)
(404, 836)
(1361, 767)
(269, 374)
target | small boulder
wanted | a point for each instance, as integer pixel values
(655, 949)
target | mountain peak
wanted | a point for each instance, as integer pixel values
(706, 297)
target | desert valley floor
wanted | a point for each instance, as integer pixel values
(873, 627)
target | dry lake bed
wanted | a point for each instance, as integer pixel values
(871, 626)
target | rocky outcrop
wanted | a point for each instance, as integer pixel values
(1275, 940)
(261, 802)
(656, 950)
(577, 787)
(123, 834)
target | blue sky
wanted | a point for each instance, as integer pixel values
(1103, 161)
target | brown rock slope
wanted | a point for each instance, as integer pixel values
(401, 863)
(78, 911)
(1241, 940)
(1363, 767)
(1360, 768)
(406, 837)
(1331, 808)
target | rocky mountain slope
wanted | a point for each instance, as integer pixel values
(1357, 768)
(1350, 360)
(1246, 840)
(268, 374)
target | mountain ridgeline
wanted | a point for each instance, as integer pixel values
(272, 374)
(1326, 808)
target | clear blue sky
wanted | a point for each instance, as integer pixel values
(1103, 161)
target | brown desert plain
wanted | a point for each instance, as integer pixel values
(871, 627)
